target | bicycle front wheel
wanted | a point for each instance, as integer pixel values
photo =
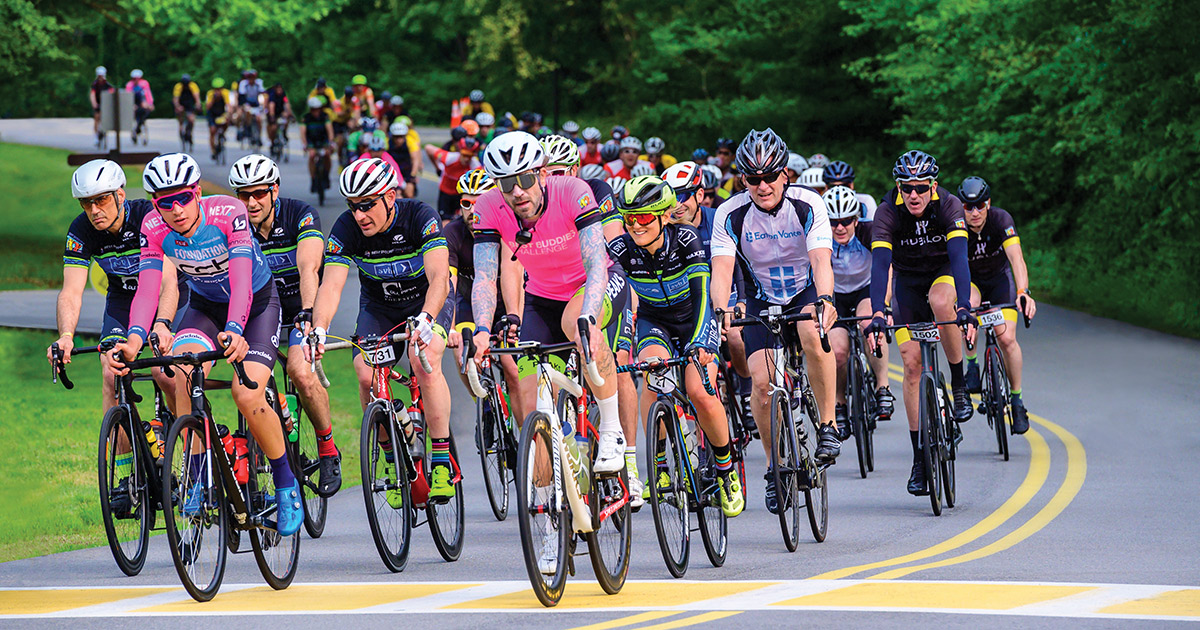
(387, 490)
(997, 397)
(124, 491)
(277, 556)
(784, 467)
(816, 490)
(931, 443)
(195, 508)
(858, 411)
(609, 545)
(542, 512)
(491, 438)
(316, 507)
(668, 488)
(951, 433)
(447, 520)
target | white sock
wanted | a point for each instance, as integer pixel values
(610, 414)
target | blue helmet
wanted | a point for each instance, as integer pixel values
(914, 165)
(369, 125)
(700, 156)
(838, 171)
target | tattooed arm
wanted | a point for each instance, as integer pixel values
(595, 262)
(483, 292)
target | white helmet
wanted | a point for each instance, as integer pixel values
(591, 133)
(841, 202)
(616, 184)
(171, 170)
(654, 146)
(812, 177)
(712, 169)
(397, 100)
(642, 168)
(571, 126)
(684, 176)
(377, 143)
(96, 178)
(135, 74)
(512, 153)
(101, 71)
(315, 102)
(253, 170)
(591, 171)
(398, 129)
(485, 119)
(560, 151)
(796, 163)
(367, 177)
(818, 160)
(630, 142)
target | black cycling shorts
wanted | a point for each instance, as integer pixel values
(757, 337)
(379, 319)
(204, 320)
(542, 318)
(116, 319)
(910, 295)
(674, 335)
(847, 303)
(997, 289)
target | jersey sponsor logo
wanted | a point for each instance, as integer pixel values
(760, 236)
(922, 240)
(584, 201)
(617, 246)
(129, 283)
(204, 254)
(181, 242)
(73, 244)
(922, 228)
(1008, 231)
(960, 224)
(783, 282)
(333, 246)
(239, 224)
(430, 228)
(307, 220)
(981, 248)
(143, 241)
(606, 206)
(686, 237)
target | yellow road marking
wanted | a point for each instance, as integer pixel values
(937, 595)
(310, 597)
(1184, 603)
(1035, 478)
(1076, 473)
(629, 621)
(691, 621)
(634, 594)
(38, 602)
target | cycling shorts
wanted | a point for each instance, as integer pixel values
(214, 120)
(542, 319)
(203, 320)
(998, 289)
(116, 319)
(910, 295)
(847, 303)
(378, 319)
(674, 335)
(757, 337)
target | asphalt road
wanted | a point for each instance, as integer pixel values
(1093, 523)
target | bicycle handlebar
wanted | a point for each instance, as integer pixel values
(585, 342)
(1013, 305)
(773, 321)
(361, 341)
(655, 365)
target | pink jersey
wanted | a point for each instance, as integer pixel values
(552, 260)
(386, 157)
(453, 166)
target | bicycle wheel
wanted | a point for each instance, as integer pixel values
(447, 520)
(816, 491)
(784, 464)
(668, 487)
(997, 397)
(277, 556)
(931, 442)
(387, 490)
(714, 525)
(194, 507)
(316, 507)
(870, 411)
(609, 544)
(543, 515)
(855, 384)
(950, 430)
(738, 439)
(129, 531)
(490, 437)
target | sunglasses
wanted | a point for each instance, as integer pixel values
(466, 204)
(363, 206)
(628, 151)
(258, 195)
(681, 198)
(920, 189)
(754, 180)
(183, 198)
(557, 171)
(974, 207)
(525, 180)
(98, 200)
(842, 222)
(639, 218)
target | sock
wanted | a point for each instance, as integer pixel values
(440, 453)
(971, 358)
(743, 386)
(631, 460)
(723, 459)
(124, 464)
(610, 415)
(1016, 395)
(956, 375)
(325, 446)
(660, 455)
(915, 436)
(282, 473)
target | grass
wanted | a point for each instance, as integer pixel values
(48, 482)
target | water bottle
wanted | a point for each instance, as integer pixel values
(241, 465)
(574, 455)
(152, 440)
(689, 437)
(226, 441)
(289, 424)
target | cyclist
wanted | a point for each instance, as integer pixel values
(217, 106)
(251, 94)
(476, 105)
(655, 156)
(713, 192)
(232, 300)
(630, 149)
(725, 162)
(779, 234)
(452, 164)
(143, 99)
(322, 91)
(921, 235)
(701, 157)
(796, 164)
(377, 147)
(852, 296)
(357, 141)
(399, 151)
(99, 86)
(343, 118)
(570, 130)
(316, 131)
(487, 127)
(404, 272)
(813, 178)
(619, 133)
(185, 98)
(998, 275)
(365, 96)
(591, 147)
(667, 266)
(278, 107)
(839, 173)
(641, 169)
(289, 233)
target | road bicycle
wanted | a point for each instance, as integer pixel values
(793, 467)
(739, 437)
(994, 397)
(861, 409)
(559, 497)
(300, 432)
(279, 144)
(494, 431)
(141, 131)
(683, 475)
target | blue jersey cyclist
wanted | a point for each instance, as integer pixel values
(404, 272)
(289, 233)
(779, 234)
(232, 301)
(667, 266)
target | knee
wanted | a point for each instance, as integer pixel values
(912, 363)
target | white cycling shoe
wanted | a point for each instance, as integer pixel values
(610, 456)
(548, 560)
(636, 488)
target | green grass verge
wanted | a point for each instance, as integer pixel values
(48, 481)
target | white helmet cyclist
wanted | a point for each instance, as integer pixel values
(135, 74)
(818, 160)
(377, 143)
(366, 178)
(812, 177)
(96, 178)
(397, 100)
(398, 129)
(560, 151)
(571, 126)
(101, 71)
(616, 184)
(654, 146)
(512, 153)
(315, 102)
(591, 171)
(253, 170)
(591, 133)
(642, 168)
(796, 163)
(684, 177)
(841, 202)
(630, 142)
(713, 172)
(171, 170)
(485, 119)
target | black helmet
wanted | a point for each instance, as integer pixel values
(320, 82)
(915, 165)
(761, 152)
(838, 171)
(974, 190)
(349, 91)
(609, 151)
(458, 133)
(725, 143)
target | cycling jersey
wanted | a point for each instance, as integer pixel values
(221, 262)
(985, 250)
(100, 86)
(852, 261)
(673, 283)
(453, 166)
(665, 163)
(590, 157)
(603, 195)
(216, 102)
(118, 255)
(355, 142)
(552, 259)
(391, 264)
(186, 93)
(772, 247)
(314, 128)
(327, 95)
(142, 96)
(470, 110)
(294, 221)
(617, 168)
(922, 251)
(249, 92)
(461, 243)
(280, 100)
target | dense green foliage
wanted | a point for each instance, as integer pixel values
(1079, 112)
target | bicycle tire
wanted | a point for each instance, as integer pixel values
(187, 544)
(493, 454)
(447, 521)
(738, 438)
(816, 494)
(856, 383)
(128, 538)
(391, 528)
(277, 556)
(784, 464)
(610, 543)
(316, 507)
(536, 521)
(930, 448)
(670, 508)
(997, 398)
(714, 525)
(949, 428)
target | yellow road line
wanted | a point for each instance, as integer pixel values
(1185, 603)
(937, 595)
(40, 601)
(311, 597)
(634, 594)
(691, 621)
(630, 620)
(1076, 473)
